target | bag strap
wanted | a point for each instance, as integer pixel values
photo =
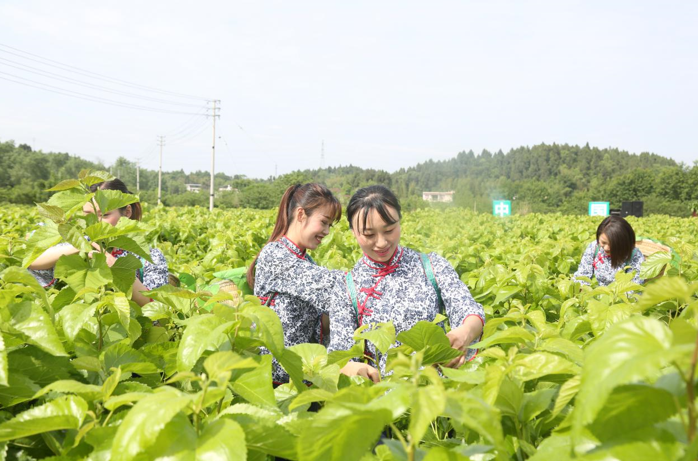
(352, 293)
(429, 271)
(270, 299)
(139, 272)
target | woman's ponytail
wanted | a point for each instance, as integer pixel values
(283, 221)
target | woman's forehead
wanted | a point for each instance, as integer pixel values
(374, 220)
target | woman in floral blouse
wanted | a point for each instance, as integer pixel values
(613, 250)
(286, 278)
(391, 284)
(150, 276)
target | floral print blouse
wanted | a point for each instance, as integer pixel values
(600, 265)
(154, 274)
(398, 291)
(299, 291)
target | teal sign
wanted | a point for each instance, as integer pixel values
(599, 208)
(501, 207)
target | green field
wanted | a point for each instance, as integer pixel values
(562, 373)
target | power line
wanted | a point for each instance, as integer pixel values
(190, 132)
(86, 97)
(73, 81)
(91, 74)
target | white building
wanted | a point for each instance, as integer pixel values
(438, 196)
(227, 188)
(193, 188)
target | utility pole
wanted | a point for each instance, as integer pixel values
(276, 170)
(138, 175)
(162, 143)
(213, 152)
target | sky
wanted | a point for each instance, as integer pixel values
(383, 85)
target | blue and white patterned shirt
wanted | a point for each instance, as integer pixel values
(398, 291)
(302, 293)
(599, 264)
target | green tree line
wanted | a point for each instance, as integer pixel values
(542, 178)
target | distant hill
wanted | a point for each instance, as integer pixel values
(541, 178)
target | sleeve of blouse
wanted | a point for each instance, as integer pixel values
(309, 282)
(457, 299)
(155, 275)
(636, 263)
(342, 318)
(586, 266)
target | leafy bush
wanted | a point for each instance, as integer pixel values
(563, 371)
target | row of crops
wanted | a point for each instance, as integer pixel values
(592, 373)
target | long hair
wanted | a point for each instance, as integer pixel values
(369, 198)
(309, 197)
(117, 184)
(621, 237)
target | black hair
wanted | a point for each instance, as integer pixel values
(117, 184)
(310, 197)
(369, 198)
(621, 238)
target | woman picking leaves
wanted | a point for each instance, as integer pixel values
(392, 283)
(150, 276)
(286, 278)
(612, 251)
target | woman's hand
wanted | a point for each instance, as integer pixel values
(361, 369)
(462, 337)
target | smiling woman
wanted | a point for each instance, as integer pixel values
(395, 284)
(285, 277)
(151, 275)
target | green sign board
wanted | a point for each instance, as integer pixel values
(501, 207)
(599, 208)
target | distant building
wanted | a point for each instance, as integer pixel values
(193, 188)
(438, 196)
(227, 188)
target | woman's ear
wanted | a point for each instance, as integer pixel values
(300, 215)
(128, 211)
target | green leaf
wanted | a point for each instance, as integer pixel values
(65, 185)
(665, 289)
(108, 200)
(539, 364)
(504, 293)
(427, 403)
(78, 273)
(602, 316)
(512, 335)
(135, 245)
(221, 439)
(88, 392)
(74, 317)
(535, 403)
(197, 338)
(130, 360)
(219, 363)
(62, 413)
(41, 240)
(52, 212)
(18, 275)
(654, 264)
(340, 434)
(467, 410)
(75, 236)
(263, 433)
(567, 392)
(123, 272)
(141, 426)
(70, 201)
(3, 362)
(91, 177)
(629, 351)
(430, 338)
(310, 396)
(632, 407)
(382, 335)
(30, 320)
(255, 385)
(110, 384)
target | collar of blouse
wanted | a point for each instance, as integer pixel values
(292, 247)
